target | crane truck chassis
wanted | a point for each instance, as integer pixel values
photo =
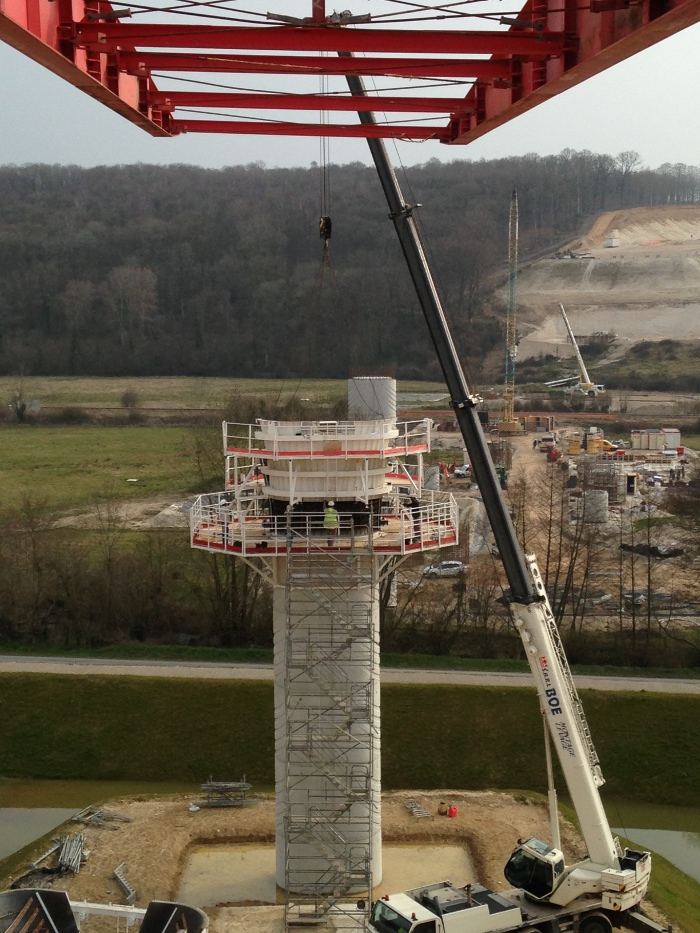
(548, 896)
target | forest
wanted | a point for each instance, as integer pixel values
(148, 270)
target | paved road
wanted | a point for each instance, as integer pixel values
(213, 671)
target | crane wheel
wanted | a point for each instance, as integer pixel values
(595, 923)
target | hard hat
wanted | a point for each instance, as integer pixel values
(331, 502)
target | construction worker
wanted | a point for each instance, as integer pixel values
(224, 519)
(331, 521)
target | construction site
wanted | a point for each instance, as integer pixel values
(326, 512)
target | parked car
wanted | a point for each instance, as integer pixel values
(446, 568)
(462, 472)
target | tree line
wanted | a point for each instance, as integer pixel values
(149, 270)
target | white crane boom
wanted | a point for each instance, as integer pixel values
(606, 881)
(566, 720)
(585, 385)
(583, 372)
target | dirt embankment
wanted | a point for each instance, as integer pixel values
(645, 287)
(677, 224)
(162, 831)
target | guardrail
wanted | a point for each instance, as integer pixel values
(277, 440)
(248, 526)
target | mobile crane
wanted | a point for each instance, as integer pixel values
(548, 896)
(584, 386)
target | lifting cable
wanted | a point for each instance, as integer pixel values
(326, 271)
(325, 223)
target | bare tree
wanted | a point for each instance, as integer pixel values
(129, 293)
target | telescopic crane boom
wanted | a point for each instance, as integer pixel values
(585, 386)
(606, 879)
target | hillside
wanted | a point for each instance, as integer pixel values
(647, 288)
(150, 270)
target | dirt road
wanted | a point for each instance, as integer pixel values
(94, 667)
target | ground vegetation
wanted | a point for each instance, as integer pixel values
(59, 726)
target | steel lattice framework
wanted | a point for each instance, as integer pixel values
(435, 77)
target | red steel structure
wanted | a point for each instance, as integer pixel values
(492, 73)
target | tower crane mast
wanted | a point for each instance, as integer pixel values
(509, 424)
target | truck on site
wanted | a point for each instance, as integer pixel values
(547, 895)
(581, 384)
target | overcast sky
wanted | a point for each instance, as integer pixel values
(648, 104)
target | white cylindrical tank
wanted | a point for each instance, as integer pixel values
(595, 505)
(371, 397)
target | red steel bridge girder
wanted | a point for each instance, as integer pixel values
(148, 62)
(170, 100)
(553, 45)
(35, 28)
(598, 37)
(112, 36)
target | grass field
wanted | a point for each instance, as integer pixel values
(67, 467)
(63, 727)
(59, 726)
(178, 392)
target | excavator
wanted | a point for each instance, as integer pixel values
(548, 895)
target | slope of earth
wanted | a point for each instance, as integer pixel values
(647, 288)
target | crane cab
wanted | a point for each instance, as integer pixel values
(536, 868)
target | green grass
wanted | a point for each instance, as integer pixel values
(139, 651)
(68, 467)
(691, 440)
(64, 727)
(675, 894)
(181, 731)
(79, 794)
(177, 392)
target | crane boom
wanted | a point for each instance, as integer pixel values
(509, 424)
(511, 346)
(529, 603)
(583, 372)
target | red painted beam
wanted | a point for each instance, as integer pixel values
(169, 100)
(113, 36)
(553, 45)
(428, 68)
(32, 27)
(273, 128)
(601, 35)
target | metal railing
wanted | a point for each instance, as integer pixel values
(280, 440)
(246, 524)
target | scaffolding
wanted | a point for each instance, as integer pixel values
(331, 788)
(325, 511)
(604, 474)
